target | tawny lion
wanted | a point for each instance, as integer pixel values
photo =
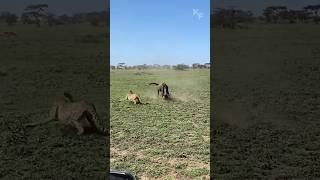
(133, 97)
(79, 114)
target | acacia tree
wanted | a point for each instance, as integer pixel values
(272, 14)
(230, 18)
(34, 13)
(314, 10)
(181, 67)
(224, 18)
(298, 15)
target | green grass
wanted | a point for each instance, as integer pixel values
(266, 102)
(152, 139)
(37, 66)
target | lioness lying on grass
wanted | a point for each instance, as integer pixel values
(79, 114)
(133, 97)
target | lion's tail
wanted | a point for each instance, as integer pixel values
(153, 84)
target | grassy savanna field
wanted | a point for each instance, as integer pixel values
(161, 139)
(266, 99)
(36, 66)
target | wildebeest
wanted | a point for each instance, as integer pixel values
(163, 90)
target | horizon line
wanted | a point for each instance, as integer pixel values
(158, 64)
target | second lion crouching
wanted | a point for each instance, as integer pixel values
(133, 97)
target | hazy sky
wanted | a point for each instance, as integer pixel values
(160, 31)
(55, 6)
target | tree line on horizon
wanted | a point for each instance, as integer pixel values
(232, 18)
(236, 18)
(38, 14)
(157, 66)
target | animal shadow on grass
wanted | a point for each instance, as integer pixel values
(172, 99)
(141, 103)
(70, 132)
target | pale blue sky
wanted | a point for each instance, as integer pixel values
(159, 32)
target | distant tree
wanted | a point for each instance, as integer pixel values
(195, 65)
(10, 18)
(121, 66)
(33, 14)
(224, 18)
(298, 15)
(314, 11)
(78, 18)
(181, 67)
(25, 18)
(166, 66)
(174, 67)
(272, 14)
(267, 13)
(231, 18)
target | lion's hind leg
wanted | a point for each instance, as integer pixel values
(79, 123)
(79, 127)
(87, 122)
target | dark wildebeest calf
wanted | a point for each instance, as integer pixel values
(163, 89)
